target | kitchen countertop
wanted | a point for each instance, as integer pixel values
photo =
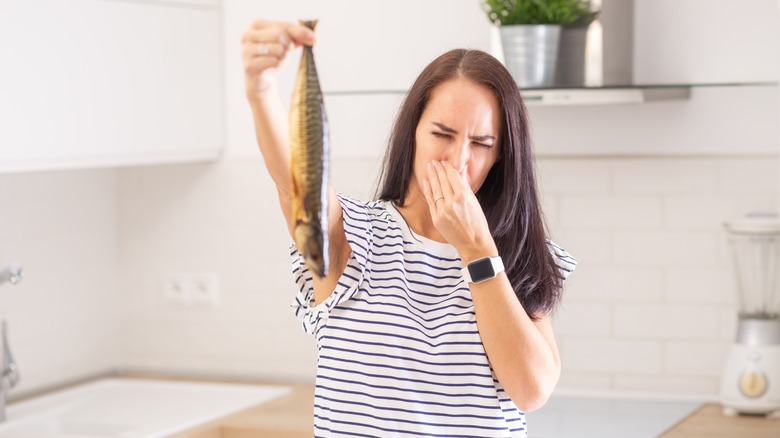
(709, 421)
(291, 417)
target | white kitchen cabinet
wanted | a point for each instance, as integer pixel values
(88, 83)
(373, 45)
(368, 53)
(705, 41)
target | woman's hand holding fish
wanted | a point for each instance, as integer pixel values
(456, 212)
(265, 46)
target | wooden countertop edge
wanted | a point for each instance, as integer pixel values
(709, 421)
(291, 416)
(288, 416)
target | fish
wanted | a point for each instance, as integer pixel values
(310, 164)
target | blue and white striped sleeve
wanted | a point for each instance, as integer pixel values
(565, 262)
(357, 226)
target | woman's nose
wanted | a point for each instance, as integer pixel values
(459, 156)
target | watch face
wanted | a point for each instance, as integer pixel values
(481, 270)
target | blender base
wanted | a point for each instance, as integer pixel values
(751, 380)
(731, 412)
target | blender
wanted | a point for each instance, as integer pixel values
(751, 378)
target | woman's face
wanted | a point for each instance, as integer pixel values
(461, 124)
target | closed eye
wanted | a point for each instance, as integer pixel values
(447, 136)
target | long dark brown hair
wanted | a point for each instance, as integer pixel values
(508, 196)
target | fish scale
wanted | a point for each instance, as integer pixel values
(310, 162)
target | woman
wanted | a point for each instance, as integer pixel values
(420, 329)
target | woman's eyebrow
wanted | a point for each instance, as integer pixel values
(446, 128)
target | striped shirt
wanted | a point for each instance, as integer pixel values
(399, 353)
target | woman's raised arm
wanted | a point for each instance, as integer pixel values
(265, 47)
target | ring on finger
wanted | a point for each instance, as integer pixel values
(262, 49)
(438, 198)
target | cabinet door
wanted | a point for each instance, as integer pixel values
(89, 83)
(372, 45)
(705, 41)
(368, 54)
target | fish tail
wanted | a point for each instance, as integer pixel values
(311, 24)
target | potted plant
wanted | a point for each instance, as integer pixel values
(531, 34)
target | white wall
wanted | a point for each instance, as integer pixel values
(636, 193)
(363, 47)
(652, 305)
(62, 316)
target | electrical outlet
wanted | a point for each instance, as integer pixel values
(205, 289)
(176, 289)
(201, 290)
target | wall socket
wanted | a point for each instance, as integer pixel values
(195, 290)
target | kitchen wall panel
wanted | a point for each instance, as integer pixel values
(62, 317)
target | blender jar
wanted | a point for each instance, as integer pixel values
(755, 243)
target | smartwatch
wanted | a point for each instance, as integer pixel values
(482, 269)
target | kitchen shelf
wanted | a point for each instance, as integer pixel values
(609, 95)
(603, 96)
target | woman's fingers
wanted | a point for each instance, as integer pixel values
(264, 47)
(301, 34)
(282, 33)
(427, 193)
(458, 183)
(455, 211)
(446, 183)
(434, 183)
(257, 50)
(443, 179)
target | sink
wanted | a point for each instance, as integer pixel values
(571, 416)
(131, 408)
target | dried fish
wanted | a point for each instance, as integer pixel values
(310, 153)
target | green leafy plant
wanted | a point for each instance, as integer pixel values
(563, 12)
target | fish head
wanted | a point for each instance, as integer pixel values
(308, 239)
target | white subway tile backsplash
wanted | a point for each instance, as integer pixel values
(615, 284)
(584, 380)
(589, 247)
(264, 243)
(567, 176)
(697, 212)
(751, 202)
(693, 386)
(650, 308)
(700, 285)
(727, 323)
(695, 358)
(665, 321)
(582, 320)
(749, 175)
(664, 175)
(611, 356)
(666, 248)
(610, 212)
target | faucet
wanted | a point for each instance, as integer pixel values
(11, 274)
(9, 376)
